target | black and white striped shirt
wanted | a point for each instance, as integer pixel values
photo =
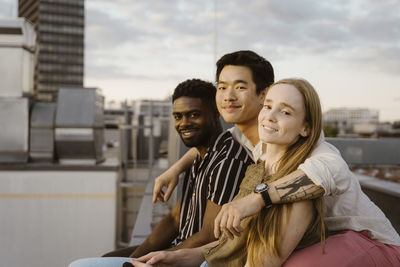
(217, 178)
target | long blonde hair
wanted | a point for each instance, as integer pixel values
(265, 231)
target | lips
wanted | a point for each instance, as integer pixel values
(269, 129)
(231, 107)
(188, 133)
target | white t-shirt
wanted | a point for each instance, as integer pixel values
(347, 207)
(255, 152)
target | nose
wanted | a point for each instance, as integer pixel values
(271, 116)
(267, 115)
(185, 121)
(229, 94)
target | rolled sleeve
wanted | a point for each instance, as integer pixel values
(326, 168)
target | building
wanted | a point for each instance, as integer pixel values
(346, 118)
(59, 25)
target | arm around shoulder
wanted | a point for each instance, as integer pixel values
(327, 168)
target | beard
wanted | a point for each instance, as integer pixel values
(202, 138)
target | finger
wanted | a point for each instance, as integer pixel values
(170, 189)
(139, 264)
(217, 221)
(158, 258)
(236, 224)
(159, 198)
(156, 190)
(229, 222)
(158, 195)
(146, 257)
(222, 224)
(229, 226)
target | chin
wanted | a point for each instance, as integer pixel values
(228, 119)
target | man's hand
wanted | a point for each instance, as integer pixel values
(168, 179)
(231, 214)
(136, 263)
(181, 257)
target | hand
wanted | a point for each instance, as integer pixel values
(139, 264)
(181, 257)
(167, 179)
(231, 214)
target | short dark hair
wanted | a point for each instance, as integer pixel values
(197, 88)
(261, 70)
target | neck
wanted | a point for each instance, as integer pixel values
(273, 155)
(250, 130)
(202, 151)
(203, 148)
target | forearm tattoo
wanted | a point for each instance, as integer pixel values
(300, 188)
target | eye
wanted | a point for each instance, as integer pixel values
(267, 106)
(221, 87)
(285, 112)
(177, 117)
(194, 115)
(241, 87)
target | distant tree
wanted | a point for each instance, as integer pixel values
(330, 130)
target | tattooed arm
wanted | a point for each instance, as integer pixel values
(294, 187)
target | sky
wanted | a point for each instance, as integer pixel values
(349, 50)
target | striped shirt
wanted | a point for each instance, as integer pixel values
(217, 178)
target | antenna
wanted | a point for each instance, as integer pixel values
(215, 32)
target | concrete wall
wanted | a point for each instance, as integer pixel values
(385, 194)
(50, 218)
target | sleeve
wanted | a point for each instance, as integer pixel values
(326, 168)
(224, 180)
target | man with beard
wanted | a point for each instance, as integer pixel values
(211, 181)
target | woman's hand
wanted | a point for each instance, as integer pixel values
(167, 179)
(231, 214)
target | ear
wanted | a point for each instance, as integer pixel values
(305, 131)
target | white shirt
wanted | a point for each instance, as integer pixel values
(255, 152)
(347, 207)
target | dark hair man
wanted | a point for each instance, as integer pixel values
(212, 180)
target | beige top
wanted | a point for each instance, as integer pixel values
(233, 253)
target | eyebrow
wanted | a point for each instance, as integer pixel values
(186, 112)
(282, 104)
(235, 81)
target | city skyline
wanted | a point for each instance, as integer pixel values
(348, 50)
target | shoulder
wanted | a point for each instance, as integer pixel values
(228, 147)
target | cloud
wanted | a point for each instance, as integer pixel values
(8, 9)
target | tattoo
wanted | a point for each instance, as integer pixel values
(301, 188)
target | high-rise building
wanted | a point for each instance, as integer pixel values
(59, 25)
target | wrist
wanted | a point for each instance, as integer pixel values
(257, 200)
(262, 190)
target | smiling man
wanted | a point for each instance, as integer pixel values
(211, 181)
